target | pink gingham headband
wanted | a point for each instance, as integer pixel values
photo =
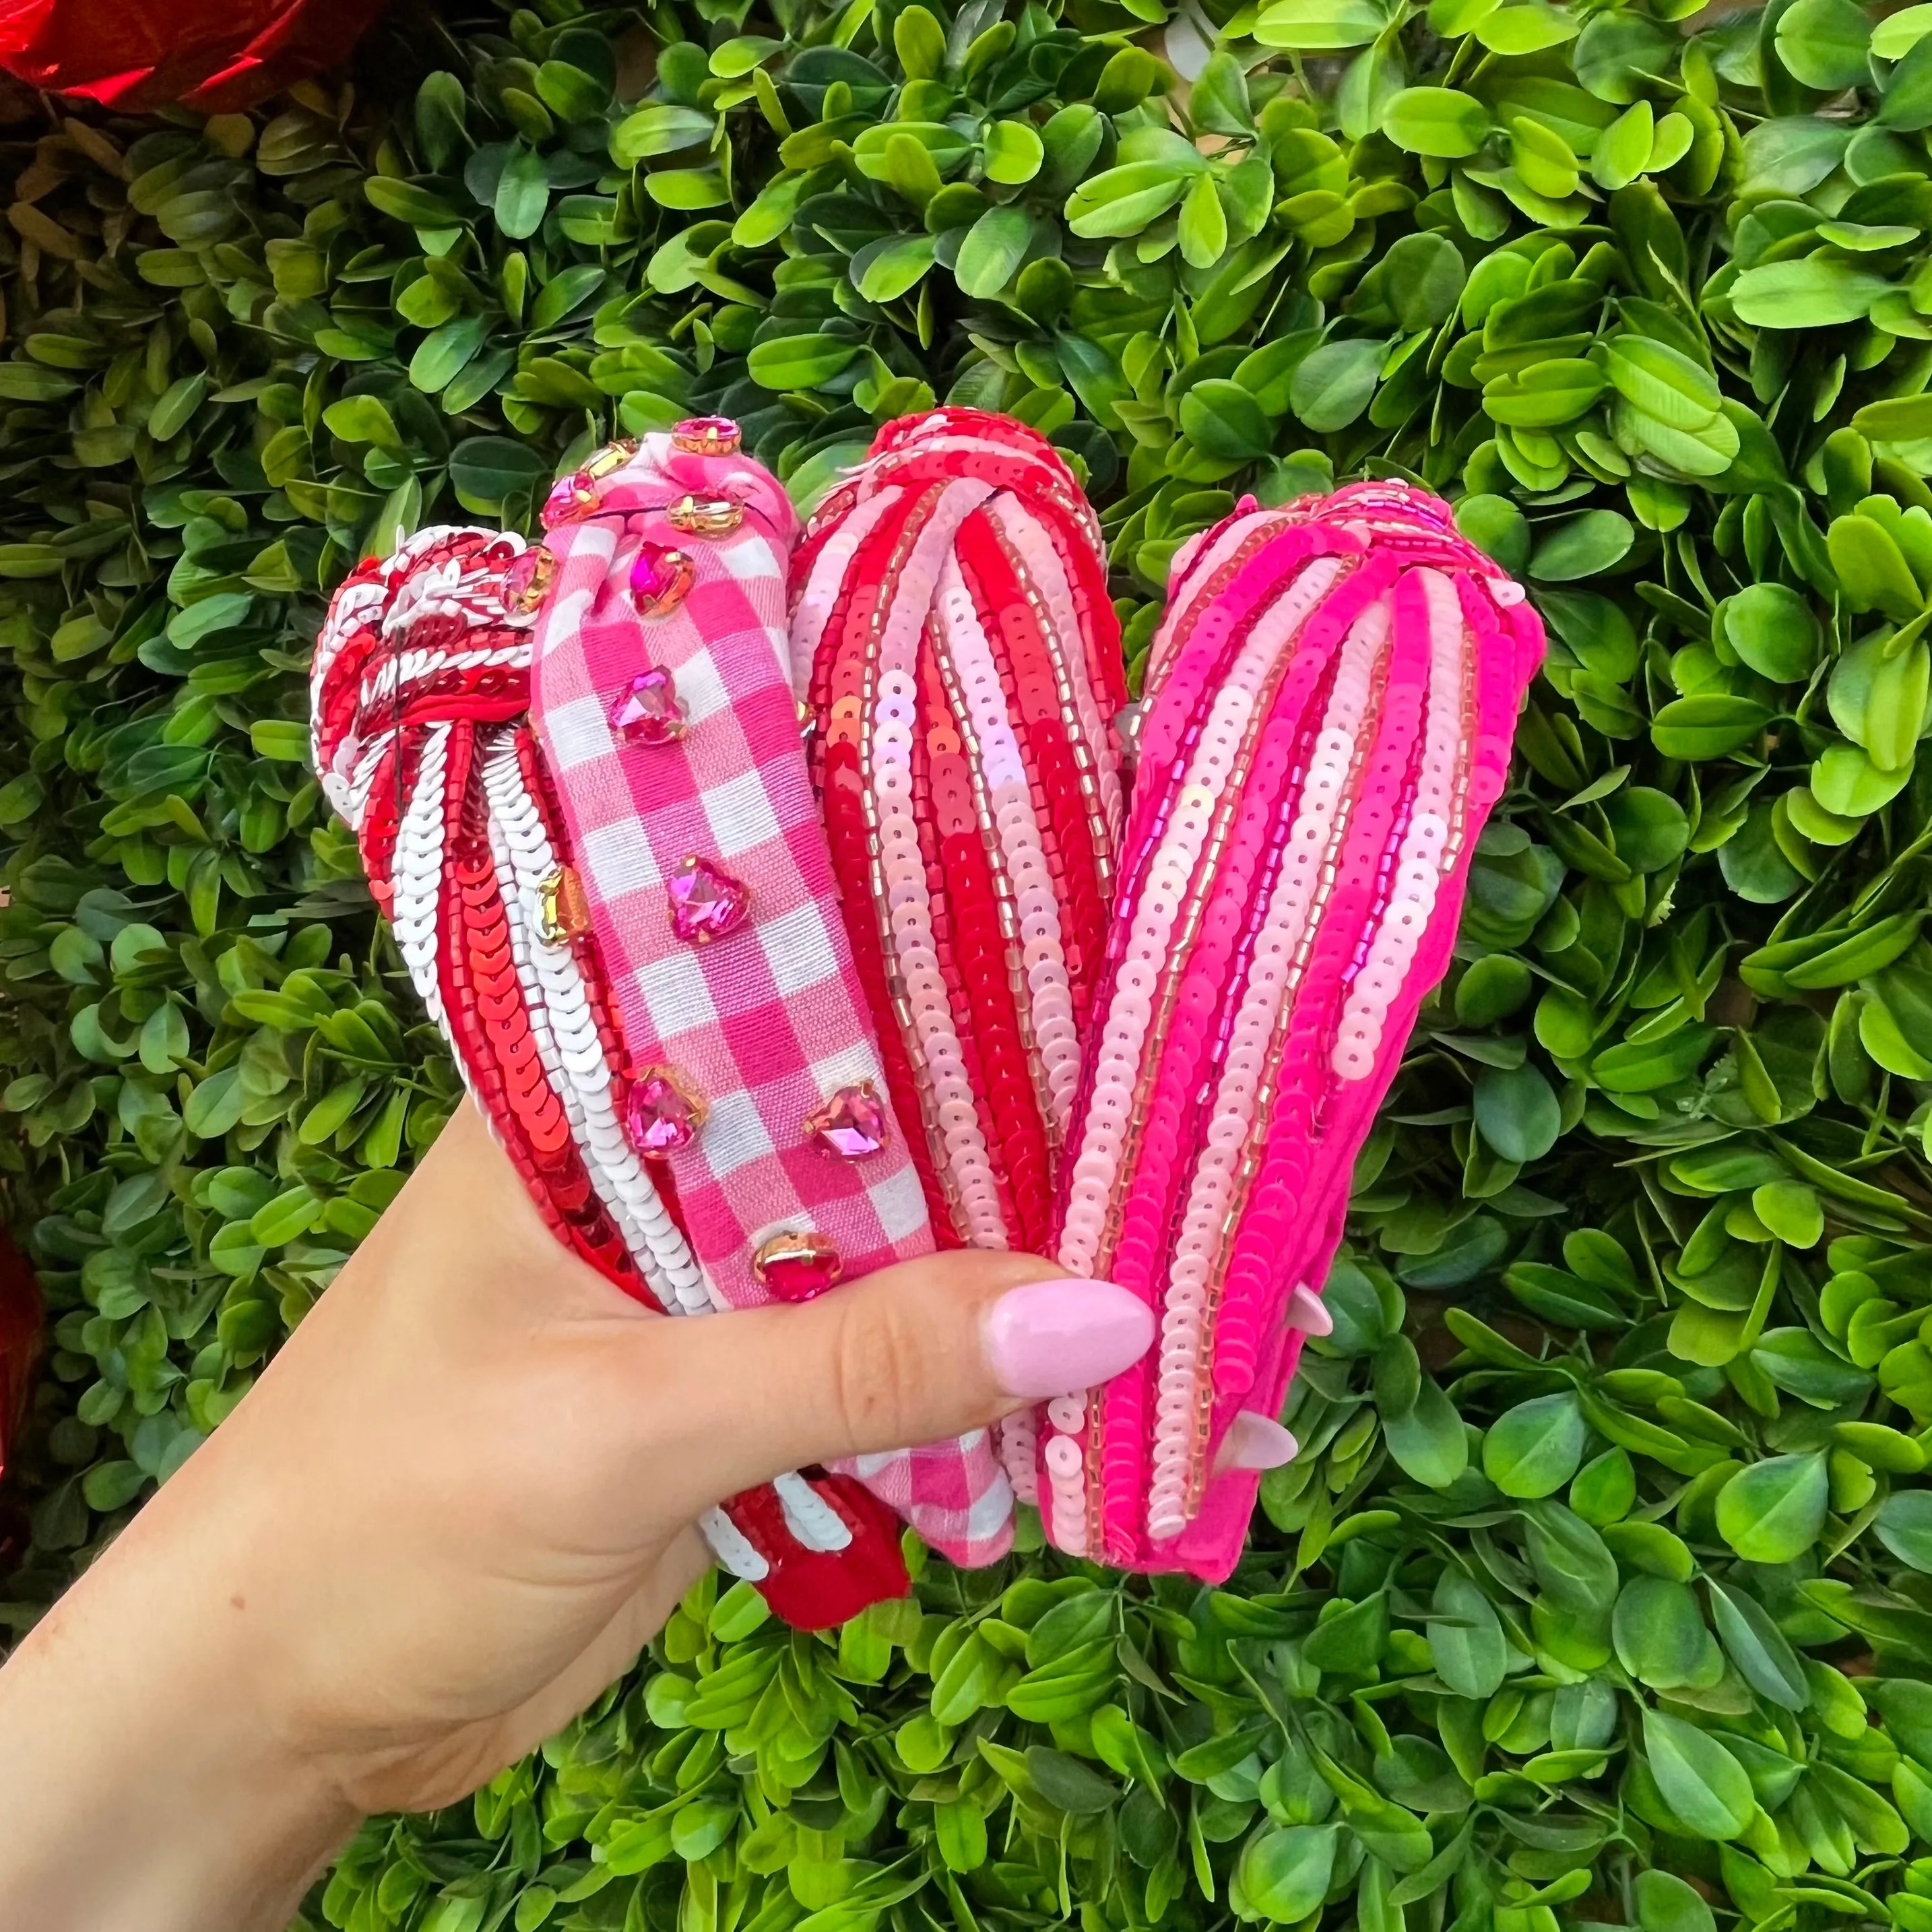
(576, 773)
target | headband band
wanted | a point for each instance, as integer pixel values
(964, 671)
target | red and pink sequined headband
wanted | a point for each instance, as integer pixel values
(696, 1003)
(950, 609)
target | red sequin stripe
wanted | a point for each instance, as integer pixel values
(389, 791)
(483, 1003)
(1060, 805)
(974, 960)
(1027, 686)
(596, 985)
(814, 1589)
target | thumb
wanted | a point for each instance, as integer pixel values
(913, 1354)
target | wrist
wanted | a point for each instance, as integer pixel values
(148, 1784)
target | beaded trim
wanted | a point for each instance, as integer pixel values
(1327, 721)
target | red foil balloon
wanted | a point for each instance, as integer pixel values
(138, 55)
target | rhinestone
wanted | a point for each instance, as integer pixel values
(662, 1113)
(527, 581)
(706, 901)
(648, 712)
(610, 459)
(660, 579)
(563, 912)
(574, 497)
(706, 516)
(707, 435)
(851, 1124)
(798, 1267)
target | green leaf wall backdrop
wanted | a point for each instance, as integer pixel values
(1601, 1592)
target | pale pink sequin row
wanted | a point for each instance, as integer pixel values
(1327, 722)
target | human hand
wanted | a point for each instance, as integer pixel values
(452, 1510)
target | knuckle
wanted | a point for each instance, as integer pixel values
(879, 1372)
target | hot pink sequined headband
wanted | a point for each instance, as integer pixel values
(1327, 722)
(950, 606)
(576, 776)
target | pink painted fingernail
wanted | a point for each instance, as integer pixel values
(1050, 1336)
(1256, 1441)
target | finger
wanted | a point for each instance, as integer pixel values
(911, 1354)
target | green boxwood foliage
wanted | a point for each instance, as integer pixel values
(1601, 1591)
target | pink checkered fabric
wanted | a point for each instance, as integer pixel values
(767, 1021)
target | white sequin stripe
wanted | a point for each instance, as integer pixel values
(415, 871)
(348, 792)
(523, 944)
(732, 1547)
(820, 597)
(1029, 904)
(582, 1074)
(1029, 537)
(809, 1516)
(1018, 1443)
(460, 587)
(1421, 859)
(355, 606)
